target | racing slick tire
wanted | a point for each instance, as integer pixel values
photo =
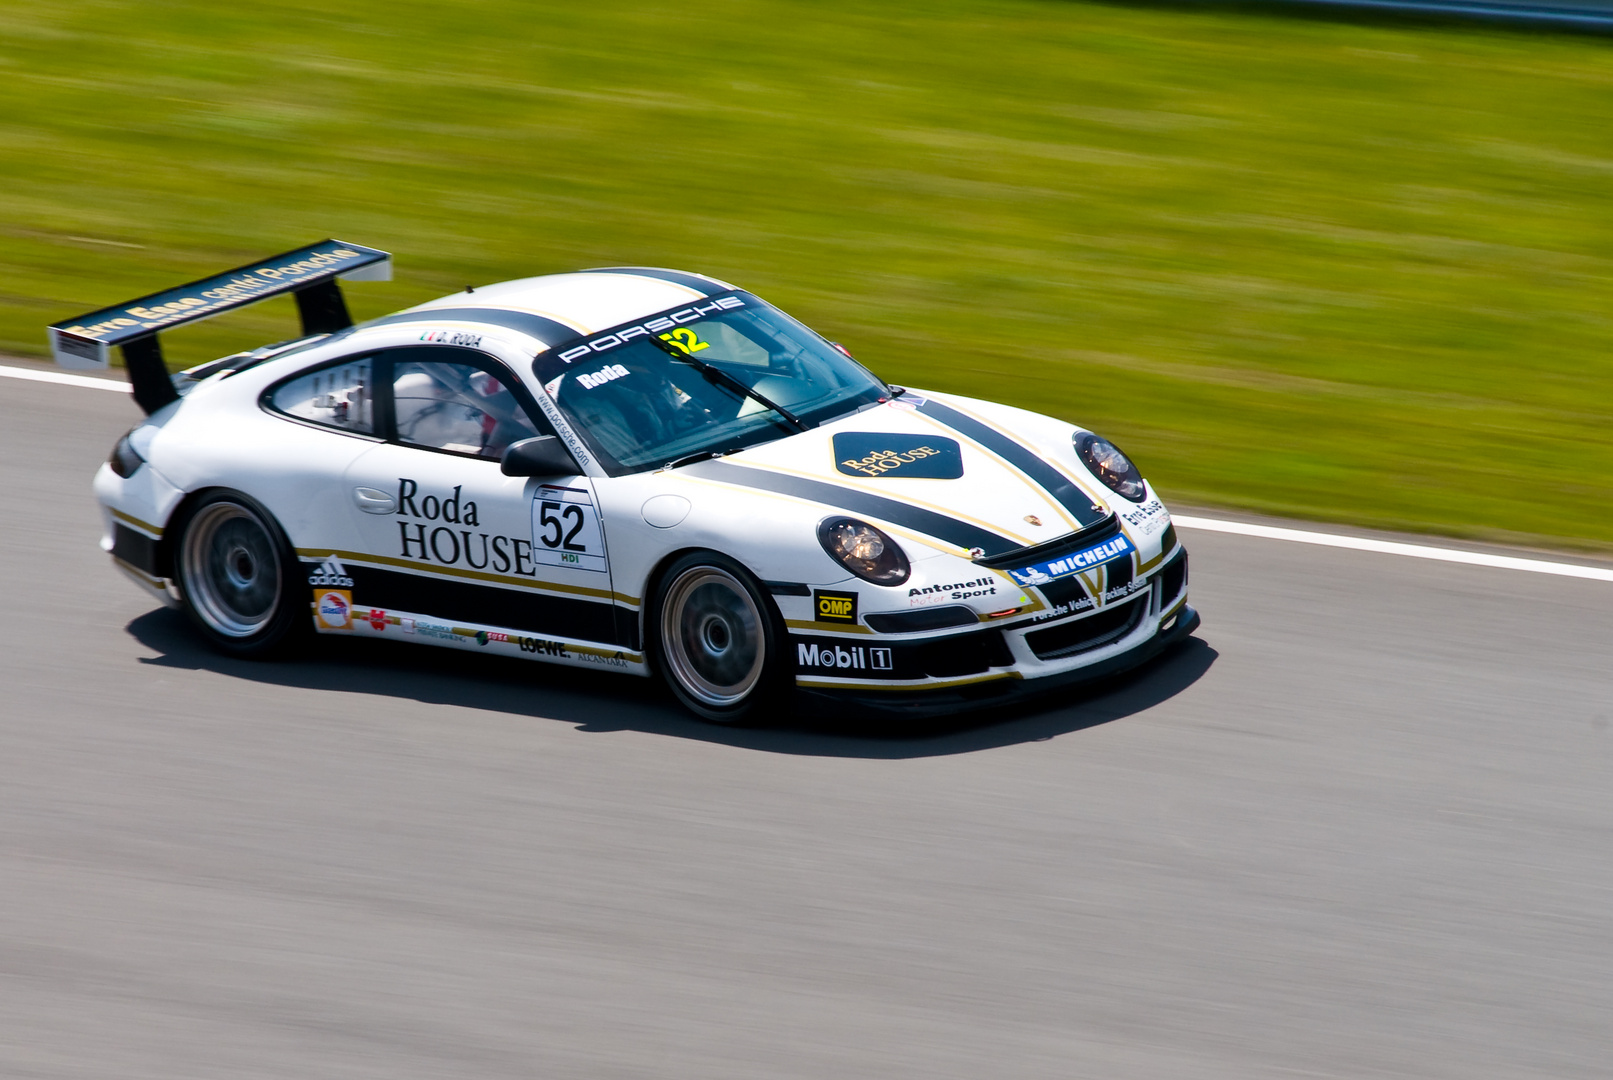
(237, 575)
(718, 640)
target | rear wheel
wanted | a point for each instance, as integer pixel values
(717, 639)
(237, 574)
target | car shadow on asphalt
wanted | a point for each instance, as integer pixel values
(603, 702)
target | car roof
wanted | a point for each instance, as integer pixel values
(558, 307)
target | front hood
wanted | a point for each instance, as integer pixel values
(963, 476)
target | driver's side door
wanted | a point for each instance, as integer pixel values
(463, 551)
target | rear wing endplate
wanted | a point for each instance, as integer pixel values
(310, 273)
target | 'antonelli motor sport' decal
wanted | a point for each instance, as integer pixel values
(1108, 551)
(920, 457)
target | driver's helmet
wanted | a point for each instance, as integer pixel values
(432, 413)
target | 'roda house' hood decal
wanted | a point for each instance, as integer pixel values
(913, 457)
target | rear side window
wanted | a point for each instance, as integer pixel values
(341, 396)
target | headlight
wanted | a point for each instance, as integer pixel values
(863, 550)
(1105, 461)
(124, 460)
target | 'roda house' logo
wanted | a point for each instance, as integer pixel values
(922, 457)
(445, 529)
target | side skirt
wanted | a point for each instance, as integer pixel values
(474, 637)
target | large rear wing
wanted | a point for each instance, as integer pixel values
(309, 273)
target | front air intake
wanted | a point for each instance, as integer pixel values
(1093, 632)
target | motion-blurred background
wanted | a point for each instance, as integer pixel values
(1322, 265)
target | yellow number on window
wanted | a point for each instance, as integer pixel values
(685, 339)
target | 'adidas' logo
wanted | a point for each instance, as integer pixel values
(331, 572)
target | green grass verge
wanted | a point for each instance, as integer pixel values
(1330, 269)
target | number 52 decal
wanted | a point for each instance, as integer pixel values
(685, 339)
(565, 529)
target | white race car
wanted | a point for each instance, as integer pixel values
(631, 468)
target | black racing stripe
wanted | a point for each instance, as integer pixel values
(694, 281)
(1050, 479)
(539, 614)
(544, 329)
(941, 526)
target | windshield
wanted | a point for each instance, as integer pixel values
(642, 404)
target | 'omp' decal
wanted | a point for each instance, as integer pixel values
(920, 457)
(834, 607)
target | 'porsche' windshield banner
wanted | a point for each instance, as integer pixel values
(84, 341)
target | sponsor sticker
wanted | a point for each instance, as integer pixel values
(1148, 518)
(1096, 555)
(948, 593)
(608, 373)
(333, 609)
(452, 337)
(811, 656)
(223, 291)
(658, 325)
(565, 529)
(922, 457)
(331, 573)
(834, 607)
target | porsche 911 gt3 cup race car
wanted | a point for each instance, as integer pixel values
(630, 468)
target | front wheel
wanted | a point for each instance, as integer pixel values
(237, 575)
(717, 639)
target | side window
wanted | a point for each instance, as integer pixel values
(457, 407)
(341, 396)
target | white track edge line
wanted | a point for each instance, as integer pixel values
(65, 379)
(1391, 547)
(1267, 532)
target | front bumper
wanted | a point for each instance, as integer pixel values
(998, 690)
(1056, 647)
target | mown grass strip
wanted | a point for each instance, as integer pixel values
(1313, 267)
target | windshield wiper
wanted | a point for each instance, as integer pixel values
(698, 455)
(714, 374)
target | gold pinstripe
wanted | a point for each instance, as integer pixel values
(130, 568)
(1047, 496)
(945, 511)
(944, 684)
(475, 575)
(1068, 475)
(145, 526)
(830, 628)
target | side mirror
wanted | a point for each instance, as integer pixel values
(542, 456)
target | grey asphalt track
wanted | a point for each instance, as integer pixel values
(1361, 827)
